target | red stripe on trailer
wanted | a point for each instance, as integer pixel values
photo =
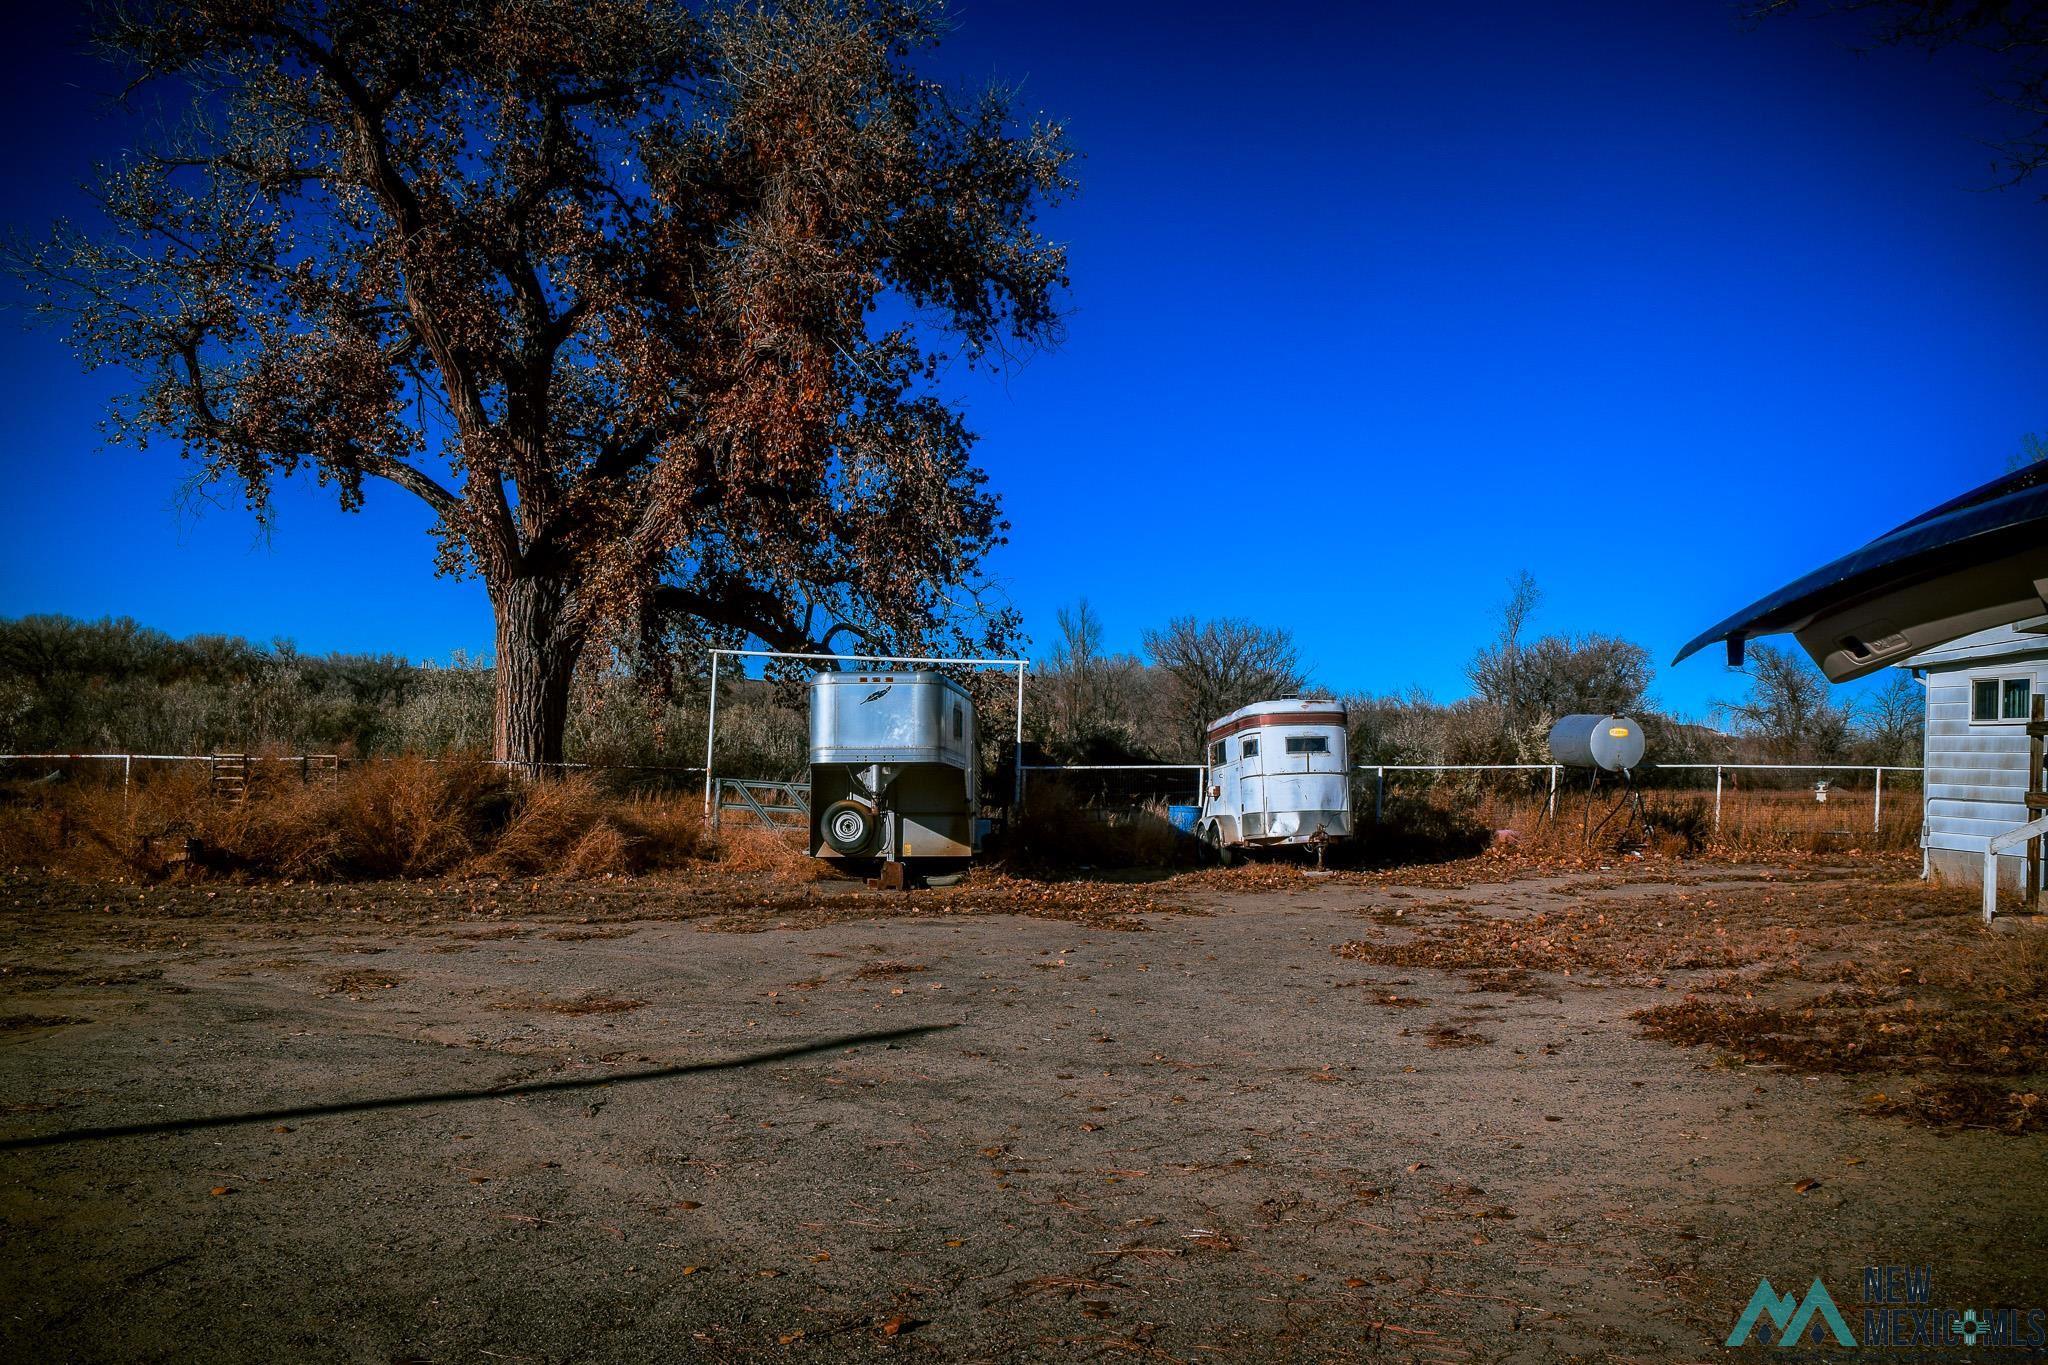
(1276, 718)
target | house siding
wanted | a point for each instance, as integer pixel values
(1976, 778)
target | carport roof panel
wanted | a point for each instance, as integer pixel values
(2004, 519)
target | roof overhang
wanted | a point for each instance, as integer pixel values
(1973, 563)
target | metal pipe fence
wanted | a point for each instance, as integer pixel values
(213, 761)
(1554, 771)
(1379, 771)
(1876, 770)
(1201, 769)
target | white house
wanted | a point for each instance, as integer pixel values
(1980, 692)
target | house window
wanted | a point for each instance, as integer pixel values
(1998, 699)
(1308, 744)
(1251, 748)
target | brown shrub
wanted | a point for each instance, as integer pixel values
(94, 830)
(550, 819)
(411, 818)
(299, 835)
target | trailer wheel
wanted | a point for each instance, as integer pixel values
(1214, 850)
(849, 828)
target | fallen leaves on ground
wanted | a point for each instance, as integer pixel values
(1844, 968)
(590, 1002)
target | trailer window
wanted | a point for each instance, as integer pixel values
(959, 722)
(1251, 748)
(1216, 758)
(1996, 699)
(1308, 744)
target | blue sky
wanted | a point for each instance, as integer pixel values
(1664, 307)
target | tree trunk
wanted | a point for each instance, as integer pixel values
(536, 661)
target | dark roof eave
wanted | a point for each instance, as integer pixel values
(2001, 517)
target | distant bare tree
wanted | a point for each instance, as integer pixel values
(1409, 728)
(1217, 666)
(1789, 709)
(1894, 721)
(1090, 697)
(1565, 674)
(2032, 450)
(1496, 671)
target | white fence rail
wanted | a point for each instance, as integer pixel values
(1999, 843)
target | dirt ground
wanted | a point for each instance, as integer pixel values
(1225, 1115)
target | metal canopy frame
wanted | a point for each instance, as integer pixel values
(711, 722)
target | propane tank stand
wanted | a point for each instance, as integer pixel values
(1631, 799)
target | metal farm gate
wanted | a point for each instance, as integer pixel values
(777, 805)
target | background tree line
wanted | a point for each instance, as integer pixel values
(115, 686)
(1090, 705)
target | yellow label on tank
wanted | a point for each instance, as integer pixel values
(1619, 732)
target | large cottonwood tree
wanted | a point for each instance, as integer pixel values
(640, 297)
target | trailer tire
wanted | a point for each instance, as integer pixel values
(849, 827)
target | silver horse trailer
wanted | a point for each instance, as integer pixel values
(1279, 774)
(895, 769)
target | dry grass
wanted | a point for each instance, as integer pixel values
(1681, 823)
(1772, 821)
(781, 855)
(405, 817)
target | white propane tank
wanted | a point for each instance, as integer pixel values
(1611, 743)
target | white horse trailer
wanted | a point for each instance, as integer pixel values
(1279, 774)
(895, 769)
